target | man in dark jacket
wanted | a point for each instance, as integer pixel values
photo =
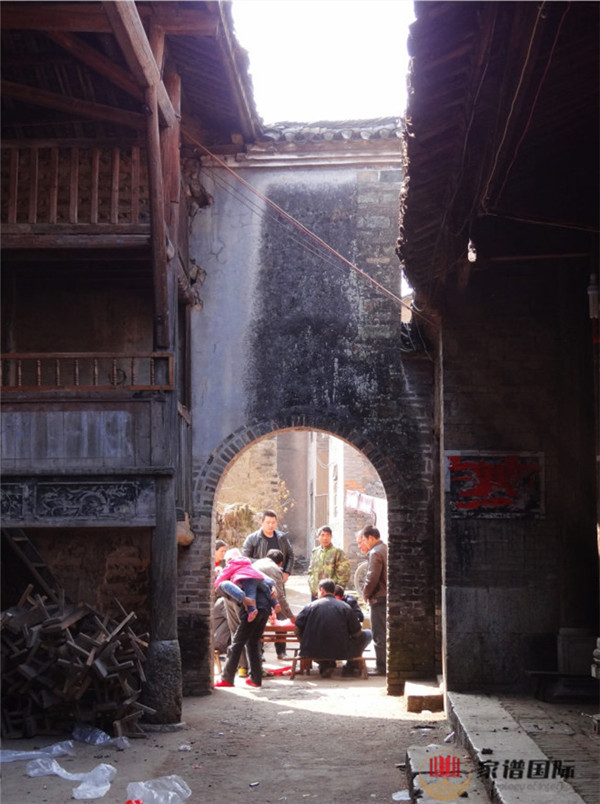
(248, 635)
(271, 565)
(266, 538)
(329, 630)
(375, 589)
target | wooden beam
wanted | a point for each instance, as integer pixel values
(82, 241)
(91, 17)
(175, 19)
(98, 62)
(131, 36)
(50, 17)
(51, 100)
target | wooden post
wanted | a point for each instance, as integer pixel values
(164, 564)
(157, 222)
(170, 141)
(163, 690)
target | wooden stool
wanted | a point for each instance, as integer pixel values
(360, 663)
(218, 662)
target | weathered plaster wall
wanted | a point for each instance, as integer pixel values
(287, 339)
(511, 583)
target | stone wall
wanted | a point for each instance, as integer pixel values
(290, 338)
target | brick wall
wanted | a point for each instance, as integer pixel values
(516, 380)
(97, 565)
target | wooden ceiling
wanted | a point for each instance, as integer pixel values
(79, 70)
(503, 135)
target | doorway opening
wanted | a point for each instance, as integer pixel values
(310, 478)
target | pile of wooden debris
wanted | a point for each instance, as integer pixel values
(63, 663)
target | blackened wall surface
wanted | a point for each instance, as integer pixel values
(291, 337)
(518, 384)
(304, 303)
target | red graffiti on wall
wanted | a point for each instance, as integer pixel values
(509, 482)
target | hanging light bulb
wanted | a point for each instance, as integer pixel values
(471, 252)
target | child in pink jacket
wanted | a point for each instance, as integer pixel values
(239, 579)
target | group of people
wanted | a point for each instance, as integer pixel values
(250, 585)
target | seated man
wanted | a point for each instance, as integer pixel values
(329, 630)
(340, 593)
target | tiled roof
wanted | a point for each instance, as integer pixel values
(382, 128)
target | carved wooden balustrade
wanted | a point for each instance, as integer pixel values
(50, 190)
(82, 371)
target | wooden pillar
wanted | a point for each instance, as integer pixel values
(163, 689)
(163, 605)
(171, 162)
(157, 221)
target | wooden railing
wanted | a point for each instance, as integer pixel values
(46, 184)
(87, 371)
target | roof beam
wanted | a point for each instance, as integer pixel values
(90, 17)
(51, 100)
(50, 17)
(98, 62)
(131, 36)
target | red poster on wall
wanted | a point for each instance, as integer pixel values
(494, 485)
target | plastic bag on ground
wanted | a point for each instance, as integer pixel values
(94, 783)
(91, 735)
(164, 790)
(66, 748)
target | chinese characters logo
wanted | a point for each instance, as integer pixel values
(443, 777)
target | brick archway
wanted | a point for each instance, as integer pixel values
(207, 479)
(414, 590)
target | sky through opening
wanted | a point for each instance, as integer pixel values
(313, 60)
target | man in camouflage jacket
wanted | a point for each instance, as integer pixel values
(327, 561)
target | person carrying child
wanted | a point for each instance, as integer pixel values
(239, 579)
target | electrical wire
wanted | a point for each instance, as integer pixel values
(303, 229)
(407, 344)
(408, 330)
(535, 99)
(512, 106)
(260, 212)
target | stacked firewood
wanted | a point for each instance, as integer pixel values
(64, 663)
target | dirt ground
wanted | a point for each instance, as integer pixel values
(336, 740)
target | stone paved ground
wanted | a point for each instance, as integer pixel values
(563, 732)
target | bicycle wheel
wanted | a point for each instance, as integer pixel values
(359, 577)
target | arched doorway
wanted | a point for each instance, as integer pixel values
(413, 593)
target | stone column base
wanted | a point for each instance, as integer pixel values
(163, 687)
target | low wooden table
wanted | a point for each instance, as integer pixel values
(281, 633)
